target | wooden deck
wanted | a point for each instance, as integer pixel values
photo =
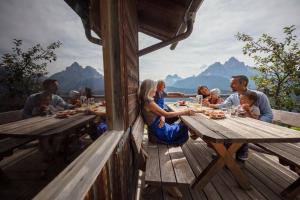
(267, 177)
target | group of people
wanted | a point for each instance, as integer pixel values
(164, 127)
(47, 102)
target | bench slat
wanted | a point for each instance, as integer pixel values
(182, 169)
(290, 118)
(283, 154)
(137, 133)
(166, 167)
(152, 167)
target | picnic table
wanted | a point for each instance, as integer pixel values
(43, 127)
(227, 135)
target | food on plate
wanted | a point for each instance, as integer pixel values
(62, 114)
(71, 112)
(80, 109)
(217, 114)
(181, 103)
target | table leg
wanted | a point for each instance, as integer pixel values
(293, 190)
(225, 159)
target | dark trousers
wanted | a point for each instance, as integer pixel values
(242, 150)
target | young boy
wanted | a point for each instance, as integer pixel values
(42, 106)
(247, 104)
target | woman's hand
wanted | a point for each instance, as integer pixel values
(89, 111)
(189, 112)
(162, 121)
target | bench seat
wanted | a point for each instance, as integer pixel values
(7, 145)
(288, 153)
(168, 165)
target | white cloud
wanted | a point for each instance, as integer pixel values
(213, 36)
(217, 21)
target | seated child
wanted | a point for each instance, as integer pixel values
(42, 106)
(247, 108)
(214, 97)
(247, 104)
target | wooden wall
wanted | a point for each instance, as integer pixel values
(129, 58)
(108, 169)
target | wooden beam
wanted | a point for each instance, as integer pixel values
(114, 94)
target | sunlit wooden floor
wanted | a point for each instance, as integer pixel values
(268, 178)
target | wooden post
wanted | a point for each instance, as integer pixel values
(114, 93)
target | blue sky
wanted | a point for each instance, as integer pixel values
(217, 21)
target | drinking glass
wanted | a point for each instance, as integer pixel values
(234, 111)
(199, 99)
(83, 100)
(229, 110)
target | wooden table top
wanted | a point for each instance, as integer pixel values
(236, 129)
(46, 125)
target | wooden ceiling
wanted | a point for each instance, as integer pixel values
(161, 19)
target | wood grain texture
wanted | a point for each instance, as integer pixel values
(74, 181)
(237, 129)
(289, 118)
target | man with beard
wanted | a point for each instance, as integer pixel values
(239, 85)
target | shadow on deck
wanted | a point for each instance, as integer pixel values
(267, 177)
(24, 173)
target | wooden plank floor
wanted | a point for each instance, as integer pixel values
(268, 178)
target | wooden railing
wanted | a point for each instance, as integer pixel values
(82, 175)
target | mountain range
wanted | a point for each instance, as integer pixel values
(216, 75)
(75, 77)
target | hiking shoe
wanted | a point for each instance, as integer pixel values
(242, 156)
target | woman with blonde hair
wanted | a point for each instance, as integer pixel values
(154, 116)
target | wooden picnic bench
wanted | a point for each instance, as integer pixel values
(288, 153)
(7, 145)
(233, 131)
(42, 128)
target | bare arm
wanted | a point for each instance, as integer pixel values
(175, 94)
(157, 110)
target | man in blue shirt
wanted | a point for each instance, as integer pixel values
(50, 87)
(239, 85)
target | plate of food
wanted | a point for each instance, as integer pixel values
(217, 115)
(72, 112)
(81, 109)
(181, 103)
(62, 114)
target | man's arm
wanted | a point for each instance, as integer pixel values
(61, 103)
(175, 94)
(229, 101)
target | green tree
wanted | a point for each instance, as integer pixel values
(21, 72)
(279, 65)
